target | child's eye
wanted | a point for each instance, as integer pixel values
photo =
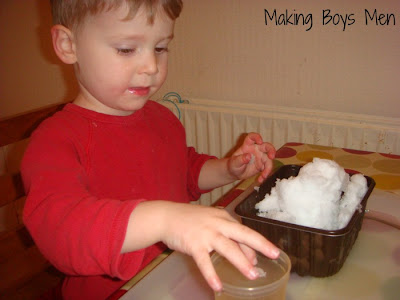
(125, 51)
(160, 50)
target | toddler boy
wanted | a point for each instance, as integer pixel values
(109, 177)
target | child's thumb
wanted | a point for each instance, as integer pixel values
(241, 160)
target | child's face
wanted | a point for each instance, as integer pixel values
(121, 63)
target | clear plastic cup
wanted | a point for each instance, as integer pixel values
(271, 284)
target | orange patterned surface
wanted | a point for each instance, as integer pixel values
(383, 168)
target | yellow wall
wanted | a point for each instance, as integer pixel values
(30, 74)
(224, 51)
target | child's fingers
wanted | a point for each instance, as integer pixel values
(269, 149)
(253, 138)
(268, 154)
(244, 235)
(234, 241)
(206, 268)
(267, 168)
(236, 246)
(239, 161)
(234, 254)
(249, 253)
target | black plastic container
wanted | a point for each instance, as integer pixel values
(314, 252)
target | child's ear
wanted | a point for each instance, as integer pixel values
(63, 43)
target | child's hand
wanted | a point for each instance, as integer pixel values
(198, 230)
(252, 157)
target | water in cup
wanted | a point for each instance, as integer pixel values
(271, 284)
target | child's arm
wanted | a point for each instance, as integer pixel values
(197, 230)
(252, 157)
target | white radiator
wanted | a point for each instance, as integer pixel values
(214, 127)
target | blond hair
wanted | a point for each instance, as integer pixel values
(71, 13)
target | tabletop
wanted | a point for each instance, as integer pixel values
(371, 271)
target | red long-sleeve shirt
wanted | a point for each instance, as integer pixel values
(85, 172)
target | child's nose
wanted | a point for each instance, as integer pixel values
(149, 64)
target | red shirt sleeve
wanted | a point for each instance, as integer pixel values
(196, 162)
(79, 233)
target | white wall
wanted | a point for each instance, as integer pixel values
(224, 51)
